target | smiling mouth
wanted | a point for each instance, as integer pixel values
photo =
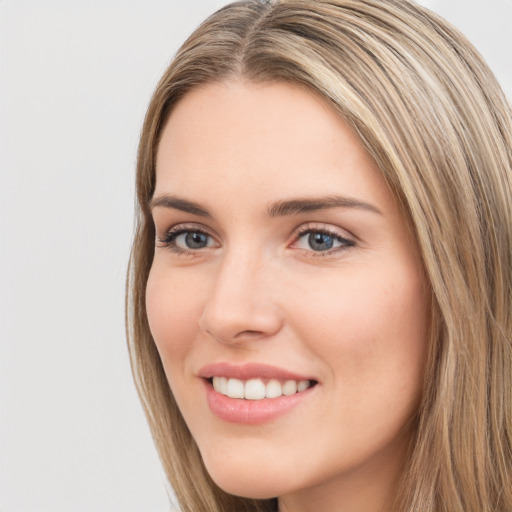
(258, 389)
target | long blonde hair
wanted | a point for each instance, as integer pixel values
(429, 111)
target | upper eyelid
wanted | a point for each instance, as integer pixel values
(295, 234)
(187, 226)
(306, 226)
(321, 226)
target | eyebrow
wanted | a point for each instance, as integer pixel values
(306, 205)
(178, 203)
(277, 209)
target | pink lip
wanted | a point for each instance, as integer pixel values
(250, 412)
(249, 371)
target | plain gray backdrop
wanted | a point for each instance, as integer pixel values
(75, 80)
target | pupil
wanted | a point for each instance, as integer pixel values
(320, 241)
(196, 240)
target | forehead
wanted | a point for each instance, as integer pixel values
(275, 138)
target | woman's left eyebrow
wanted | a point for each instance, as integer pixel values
(306, 205)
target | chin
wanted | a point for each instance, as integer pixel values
(241, 478)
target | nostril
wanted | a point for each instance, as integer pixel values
(248, 334)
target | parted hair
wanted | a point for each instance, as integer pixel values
(429, 111)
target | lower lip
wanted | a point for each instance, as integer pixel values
(251, 412)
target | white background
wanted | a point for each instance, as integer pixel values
(75, 79)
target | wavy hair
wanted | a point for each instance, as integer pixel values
(431, 114)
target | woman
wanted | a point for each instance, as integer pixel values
(320, 288)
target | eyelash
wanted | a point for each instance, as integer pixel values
(345, 243)
(169, 240)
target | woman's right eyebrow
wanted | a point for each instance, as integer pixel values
(178, 203)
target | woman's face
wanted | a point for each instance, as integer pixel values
(283, 268)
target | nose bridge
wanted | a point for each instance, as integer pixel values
(240, 302)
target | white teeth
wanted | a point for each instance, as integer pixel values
(303, 385)
(290, 387)
(220, 384)
(256, 389)
(235, 388)
(274, 389)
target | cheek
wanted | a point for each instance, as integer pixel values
(372, 326)
(374, 337)
(173, 308)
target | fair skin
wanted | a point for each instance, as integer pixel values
(327, 290)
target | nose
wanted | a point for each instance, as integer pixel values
(241, 305)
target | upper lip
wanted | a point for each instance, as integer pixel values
(249, 371)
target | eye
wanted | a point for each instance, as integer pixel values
(186, 240)
(321, 240)
(192, 240)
